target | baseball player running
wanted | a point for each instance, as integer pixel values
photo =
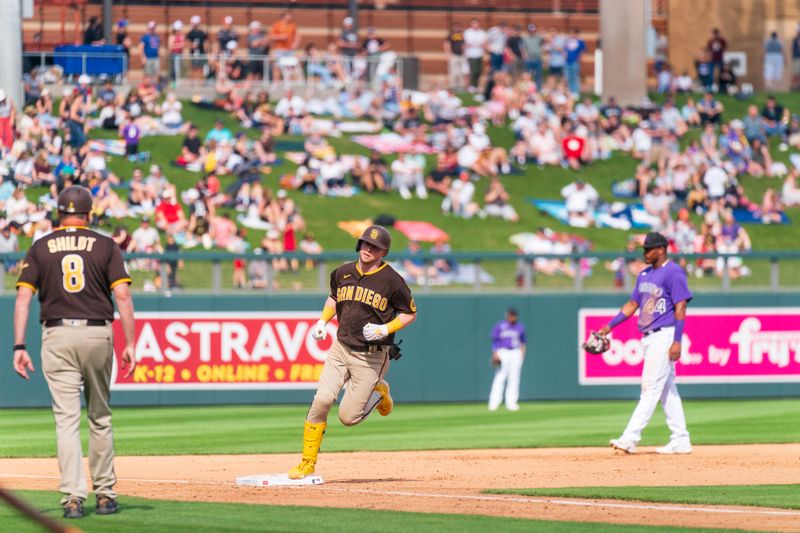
(508, 353)
(372, 302)
(75, 271)
(661, 295)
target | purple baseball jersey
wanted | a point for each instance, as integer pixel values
(507, 336)
(657, 290)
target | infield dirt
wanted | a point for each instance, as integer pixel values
(447, 481)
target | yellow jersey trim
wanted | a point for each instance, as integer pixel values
(358, 268)
(71, 227)
(121, 280)
(24, 284)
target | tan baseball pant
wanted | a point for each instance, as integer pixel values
(361, 371)
(75, 356)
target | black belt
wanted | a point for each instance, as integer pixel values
(371, 348)
(648, 333)
(61, 322)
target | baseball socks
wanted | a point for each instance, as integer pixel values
(312, 440)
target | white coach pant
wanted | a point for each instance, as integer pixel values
(658, 383)
(506, 376)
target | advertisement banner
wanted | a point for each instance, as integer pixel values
(219, 350)
(720, 345)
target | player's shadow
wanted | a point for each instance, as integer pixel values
(369, 480)
(90, 510)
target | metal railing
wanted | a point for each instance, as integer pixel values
(207, 272)
(291, 71)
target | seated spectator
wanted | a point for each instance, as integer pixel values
(273, 244)
(24, 170)
(690, 113)
(657, 201)
(309, 245)
(130, 133)
(443, 266)
(684, 234)
(317, 146)
(222, 230)
(376, 175)
(459, 198)
(710, 109)
(754, 125)
(790, 192)
(192, 148)
(727, 80)
(715, 180)
(771, 208)
(760, 163)
(496, 202)
(543, 146)
(407, 175)
(107, 203)
(156, 180)
(331, 178)
(265, 147)
(145, 239)
(170, 110)
(673, 120)
(416, 269)
(258, 271)
(773, 115)
(440, 178)
(286, 212)
(581, 199)
(219, 133)
(683, 83)
(573, 147)
(479, 156)
(170, 217)
(732, 239)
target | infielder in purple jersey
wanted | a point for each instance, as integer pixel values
(508, 352)
(661, 295)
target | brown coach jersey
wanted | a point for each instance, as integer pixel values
(375, 297)
(74, 269)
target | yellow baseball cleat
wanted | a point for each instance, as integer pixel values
(305, 468)
(386, 404)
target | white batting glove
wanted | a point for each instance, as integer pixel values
(375, 332)
(319, 331)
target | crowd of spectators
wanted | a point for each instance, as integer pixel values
(677, 182)
(256, 52)
(511, 50)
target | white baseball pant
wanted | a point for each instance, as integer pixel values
(658, 383)
(506, 377)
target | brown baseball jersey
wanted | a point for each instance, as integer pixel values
(375, 297)
(74, 269)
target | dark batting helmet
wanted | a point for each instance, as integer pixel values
(376, 235)
(75, 200)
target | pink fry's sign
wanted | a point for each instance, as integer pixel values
(720, 345)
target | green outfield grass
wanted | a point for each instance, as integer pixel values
(278, 429)
(138, 514)
(781, 496)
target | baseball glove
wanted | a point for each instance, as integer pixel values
(596, 343)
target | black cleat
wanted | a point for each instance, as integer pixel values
(106, 505)
(73, 509)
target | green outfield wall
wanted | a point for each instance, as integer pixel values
(446, 352)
